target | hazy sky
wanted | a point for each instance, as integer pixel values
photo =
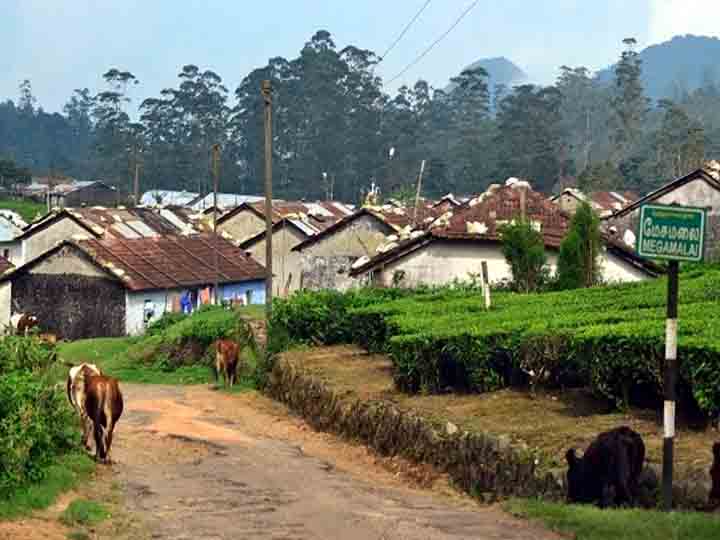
(65, 44)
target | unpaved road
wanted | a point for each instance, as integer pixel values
(198, 464)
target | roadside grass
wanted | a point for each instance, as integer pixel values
(591, 523)
(254, 312)
(27, 209)
(62, 476)
(84, 512)
(110, 354)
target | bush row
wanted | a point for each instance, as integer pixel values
(37, 424)
(608, 338)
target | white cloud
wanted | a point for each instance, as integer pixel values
(669, 18)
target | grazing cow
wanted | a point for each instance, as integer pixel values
(22, 323)
(715, 474)
(612, 462)
(227, 353)
(99, 402)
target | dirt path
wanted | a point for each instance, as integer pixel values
(199, 464)
(194, 463)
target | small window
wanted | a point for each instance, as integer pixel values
(248, 297)
(6, 253)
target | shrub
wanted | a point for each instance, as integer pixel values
(163, 323)
(524, 251)
(578, 259)
(36, 426)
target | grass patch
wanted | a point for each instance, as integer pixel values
(111, 355)
(591, 523)
(253, 312)
(84, 512)
(78, 535)
(26, 208)
(65, 474)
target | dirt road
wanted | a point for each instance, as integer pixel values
(199, 464)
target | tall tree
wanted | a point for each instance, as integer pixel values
(628, 104)
(528, 135)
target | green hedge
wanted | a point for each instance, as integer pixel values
(609, 338)
(37, 424)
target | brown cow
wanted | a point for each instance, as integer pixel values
(76, 394)
(99, 401)
(227, 354)
(715, 475)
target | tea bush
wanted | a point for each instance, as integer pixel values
(608, 338)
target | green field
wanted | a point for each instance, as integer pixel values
(28, 209)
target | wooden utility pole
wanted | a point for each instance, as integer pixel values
(417, 194)
(266, 90)
(136, 183)
(670, 381)
(216, 181)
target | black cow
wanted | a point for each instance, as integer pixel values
(608, 471)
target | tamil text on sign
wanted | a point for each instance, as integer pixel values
(671, 232)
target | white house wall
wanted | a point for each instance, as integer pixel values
(286, 264)
(135, 307)
(46, 239)
(441, 263)
(5, 304)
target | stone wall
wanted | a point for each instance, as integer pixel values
(485, 465)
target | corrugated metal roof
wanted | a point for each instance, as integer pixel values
(172, 261)
(225, 200)
(167, 197)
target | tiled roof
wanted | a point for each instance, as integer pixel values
(484, 215)
(172, 261)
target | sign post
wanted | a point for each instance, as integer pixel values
(672, 233)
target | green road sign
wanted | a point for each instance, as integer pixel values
(675, 233)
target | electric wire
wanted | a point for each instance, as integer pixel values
(404, 31)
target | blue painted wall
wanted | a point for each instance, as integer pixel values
(256, 288)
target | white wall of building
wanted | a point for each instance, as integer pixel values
(440, 263)
(135, 309)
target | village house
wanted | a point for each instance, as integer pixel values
(248, 220)
(87, 287)
(326, 257)
(700, 189)
(97, 222)
(83, 194)
(603, 203)
(454, 250)
(293, 222)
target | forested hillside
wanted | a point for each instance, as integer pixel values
(332, 115)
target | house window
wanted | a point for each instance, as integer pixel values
(248, 297)
(6, 253)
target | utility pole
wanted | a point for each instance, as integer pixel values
(136, 183)
(216, 181)
(417, 194)
(266, 90)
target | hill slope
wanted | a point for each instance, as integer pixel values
(682, 64)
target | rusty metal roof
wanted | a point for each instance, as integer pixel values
(172, 261)
(118, 222)
(484, 215)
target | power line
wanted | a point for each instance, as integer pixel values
(407, 27)
(434, 43)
